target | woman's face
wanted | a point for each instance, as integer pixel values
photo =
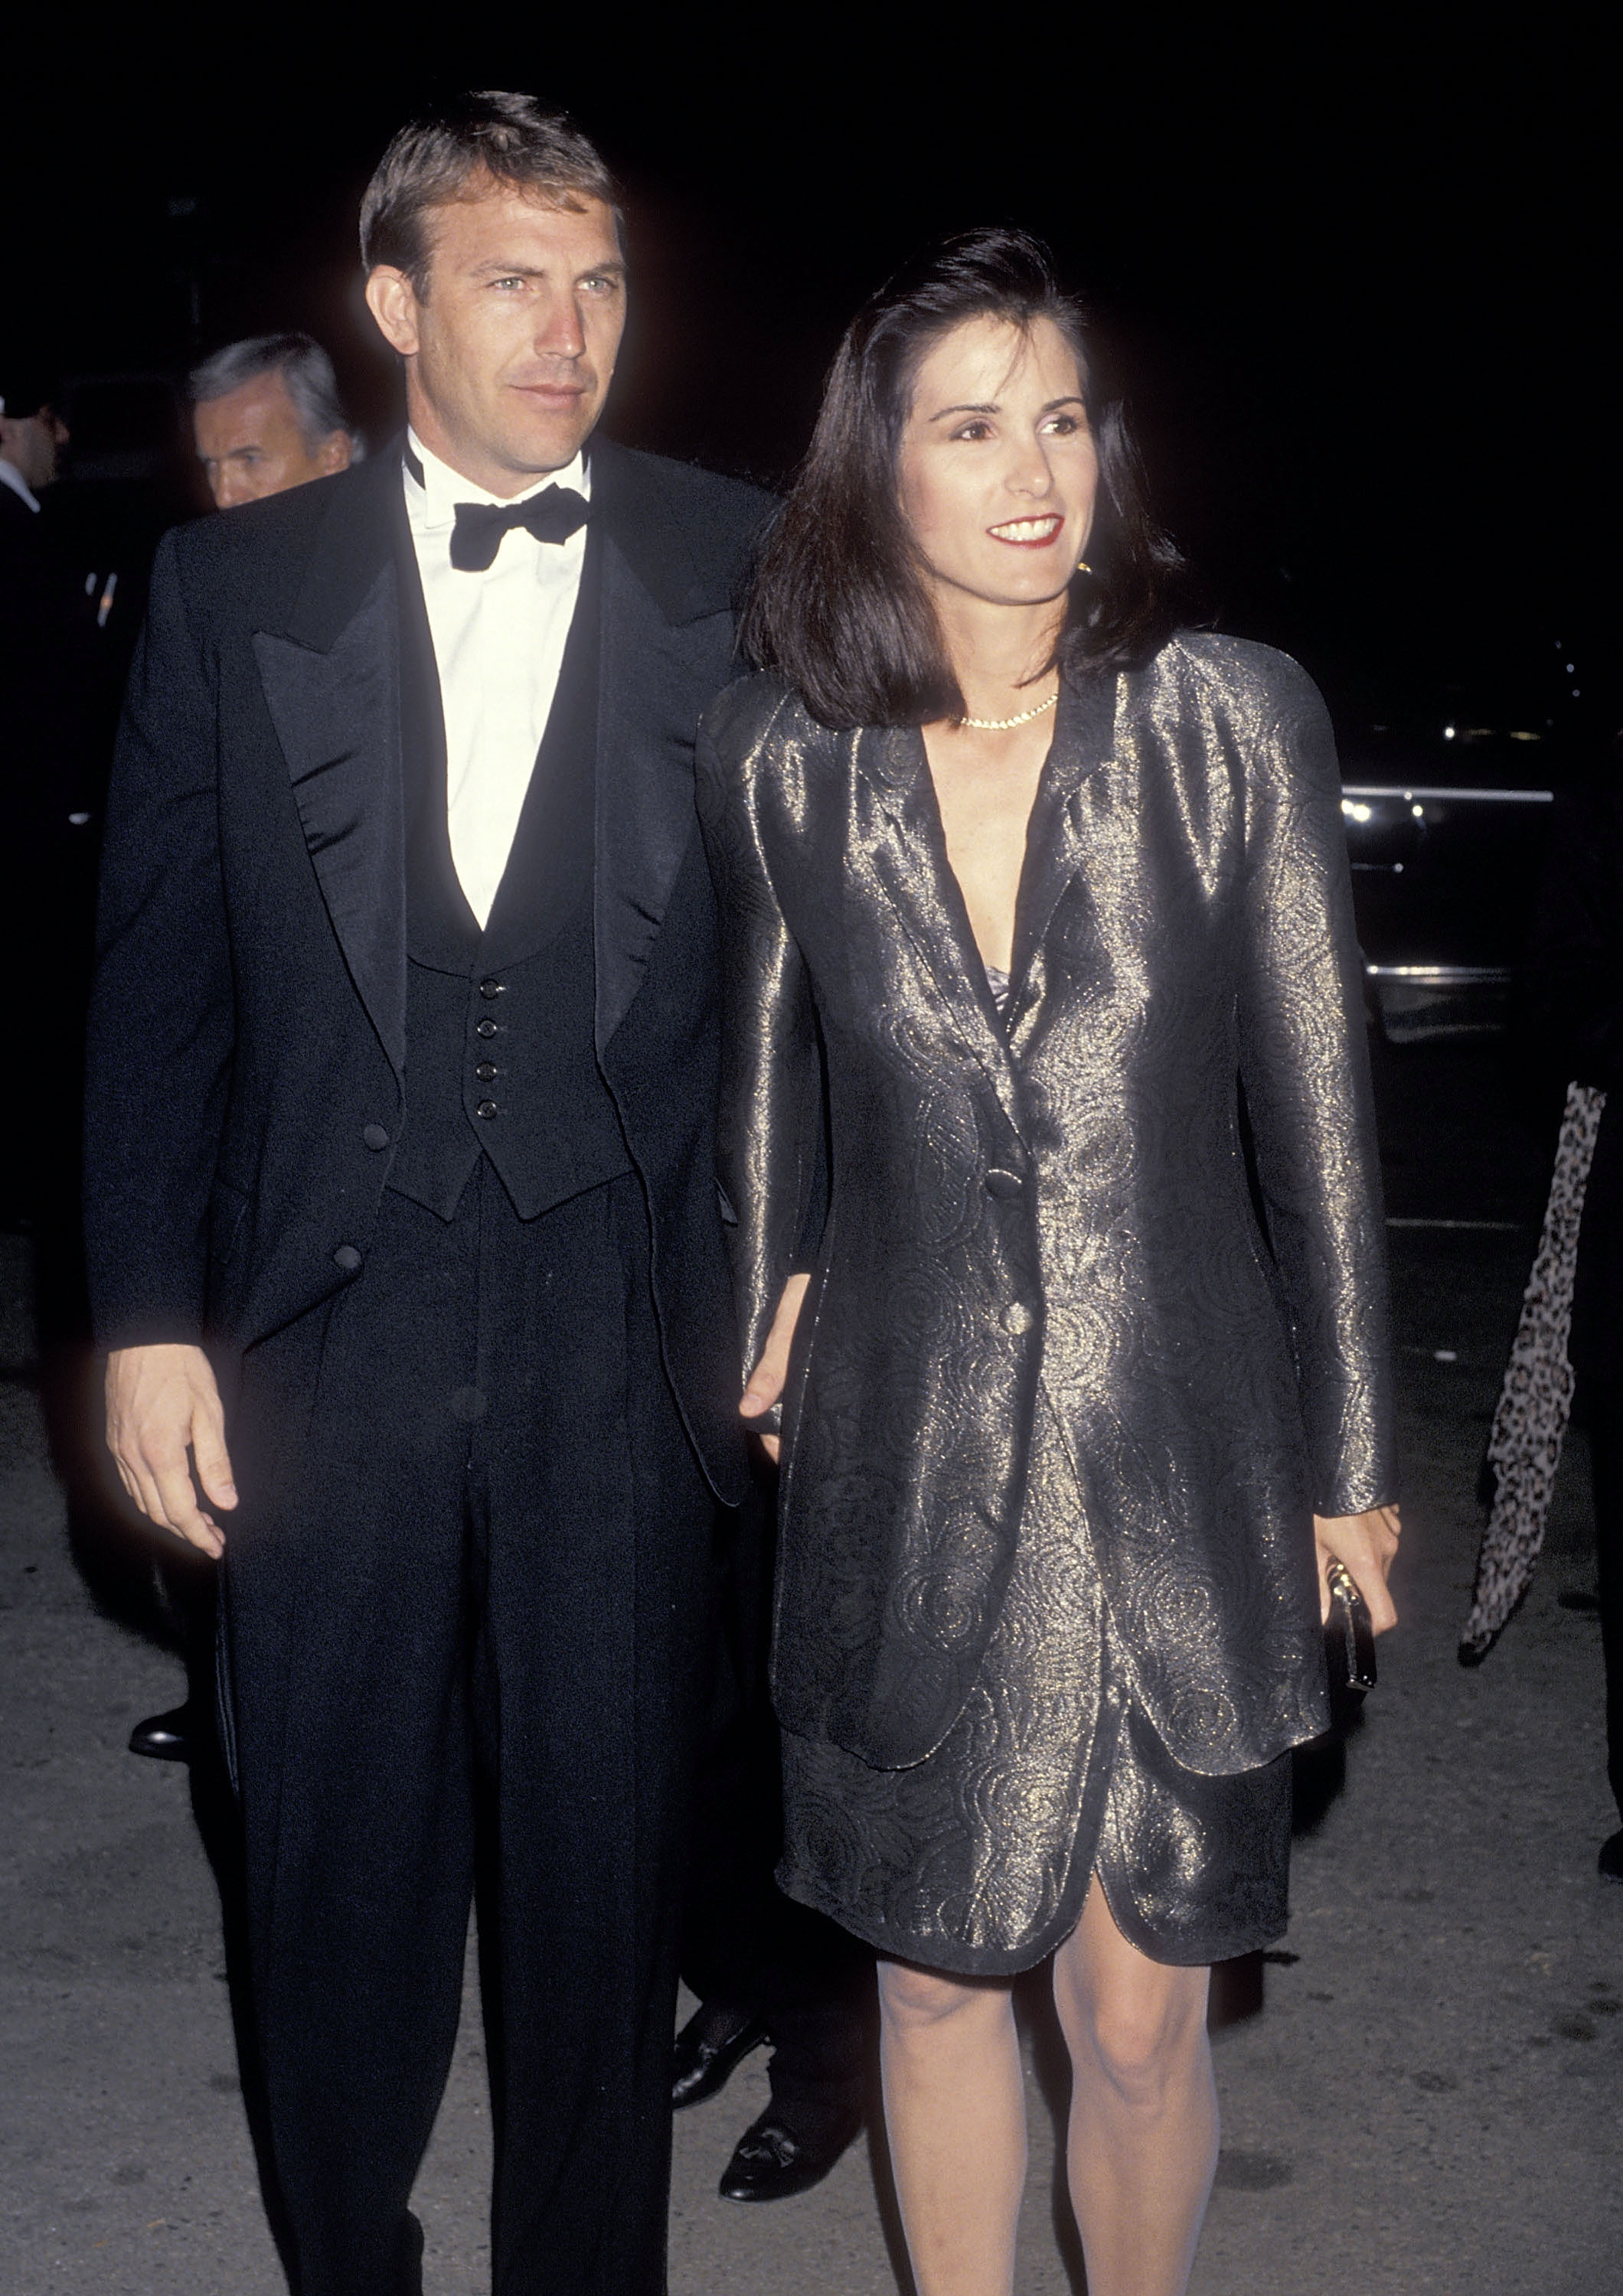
(997, 468)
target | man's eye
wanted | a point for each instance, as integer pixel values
(604, 282)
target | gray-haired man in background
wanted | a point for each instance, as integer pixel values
(266, 416)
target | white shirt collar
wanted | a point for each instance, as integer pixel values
(10, 476)
(434, 502)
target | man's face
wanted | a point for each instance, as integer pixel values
(509, 352)
(250, 443)
(32, 443)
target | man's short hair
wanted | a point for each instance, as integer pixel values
(431, 160)
(306, 371)
(26, 387)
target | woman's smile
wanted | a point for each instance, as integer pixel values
(1029, 533)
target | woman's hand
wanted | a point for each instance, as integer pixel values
(1365, 1544)
(766, 1380)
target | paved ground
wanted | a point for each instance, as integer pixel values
(1430, 2099)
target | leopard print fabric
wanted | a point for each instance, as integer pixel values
(1524, 1448)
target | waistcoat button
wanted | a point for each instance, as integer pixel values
(491, 988)
(485, 1108)
(486, 1071)
(485, 1027)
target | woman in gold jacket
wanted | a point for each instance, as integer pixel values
(1032, 906)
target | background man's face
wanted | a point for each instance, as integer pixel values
(250, 443)
(509, 353)
(32, 443)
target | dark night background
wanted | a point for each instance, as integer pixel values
(1357, 281)
(1358, 276)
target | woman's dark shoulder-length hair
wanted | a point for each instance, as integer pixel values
(838, 606)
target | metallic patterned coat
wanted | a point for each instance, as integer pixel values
(1059, 1194)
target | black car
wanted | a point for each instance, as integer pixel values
(1446, 827)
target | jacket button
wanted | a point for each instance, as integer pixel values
(485, 1027)
(491, 988)
(486, 1071)
(485, 1108)
(375, 1137)
(1017, 1319)
(1002, 1184)
(347, 1258)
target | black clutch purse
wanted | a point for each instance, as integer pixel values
(1349, 1639)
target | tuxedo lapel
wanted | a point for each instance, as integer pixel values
(332, 685)
(333, 681)
(658, 666)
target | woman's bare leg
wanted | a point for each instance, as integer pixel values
(955, 2115)
(1143, 2136)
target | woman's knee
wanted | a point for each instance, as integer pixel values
(1144, 2038)
(913, 1999)
(1145, 2047)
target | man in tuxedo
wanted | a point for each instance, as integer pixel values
(402, 1219)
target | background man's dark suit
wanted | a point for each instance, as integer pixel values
(52, 763)
(479, 1369)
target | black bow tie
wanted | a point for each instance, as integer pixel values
(551, 516)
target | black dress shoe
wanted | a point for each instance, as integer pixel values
(787, 2151)
(1609, 1864)
(166, 1737)
(709, 2046)
(408, 2259)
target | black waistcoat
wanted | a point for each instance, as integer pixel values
(500, 1055)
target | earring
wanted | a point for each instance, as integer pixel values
(1082, 566)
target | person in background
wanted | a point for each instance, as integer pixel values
(32, 435)
(766, 1970)
(1571, 1024)
(45, 654)
(266, 416)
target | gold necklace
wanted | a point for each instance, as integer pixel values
(1002, 725)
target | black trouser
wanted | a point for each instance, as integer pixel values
(466, 1602)
(743, 1943)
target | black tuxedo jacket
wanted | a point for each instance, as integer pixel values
(247, 1040)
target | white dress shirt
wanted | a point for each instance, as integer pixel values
(10, 476)
(498, 642)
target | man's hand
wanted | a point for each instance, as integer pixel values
(766, 1380)
(161, 1402)
(1365, 1544)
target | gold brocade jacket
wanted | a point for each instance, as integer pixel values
(1058, 1197)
